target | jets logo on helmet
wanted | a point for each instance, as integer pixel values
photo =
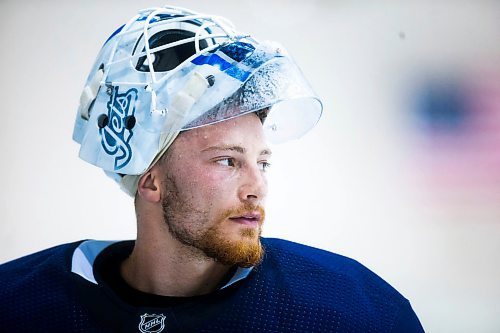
(116, 127)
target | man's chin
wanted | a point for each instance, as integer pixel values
(250, 234)
(244, 251)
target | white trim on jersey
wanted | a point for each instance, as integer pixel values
(85, 254)
(84, 257)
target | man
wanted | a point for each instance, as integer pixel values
(178, 109)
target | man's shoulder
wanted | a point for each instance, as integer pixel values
(313, 255)
(38, 292)
(57, 256)
(334, 285)
(37, 274)
(297, 257)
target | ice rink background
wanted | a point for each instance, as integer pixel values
(402, 173)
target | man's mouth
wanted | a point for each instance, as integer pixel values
(250, 218)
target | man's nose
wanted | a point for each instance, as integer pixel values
(253, 188)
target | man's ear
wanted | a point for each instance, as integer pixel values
(149, 186)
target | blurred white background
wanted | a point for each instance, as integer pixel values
(387, 177)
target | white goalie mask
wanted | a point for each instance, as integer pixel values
(169, 70)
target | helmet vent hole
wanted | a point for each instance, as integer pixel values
(102, 121)
(129, 122)
(210, 80)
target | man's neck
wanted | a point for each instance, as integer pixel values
(159, 264)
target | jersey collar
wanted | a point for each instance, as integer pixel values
(85, 254)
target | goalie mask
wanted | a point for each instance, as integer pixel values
(169, 70)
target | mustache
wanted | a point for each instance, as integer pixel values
(244, 209)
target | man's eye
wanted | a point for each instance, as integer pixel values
(226, 162)
(264, 166)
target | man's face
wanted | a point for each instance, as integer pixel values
(214, 189)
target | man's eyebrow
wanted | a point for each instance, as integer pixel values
(238, 149)
(266, 151)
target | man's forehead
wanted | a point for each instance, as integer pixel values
(242, 131)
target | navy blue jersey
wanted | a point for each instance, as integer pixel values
(77, 287)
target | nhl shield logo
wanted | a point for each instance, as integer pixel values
(152, 323)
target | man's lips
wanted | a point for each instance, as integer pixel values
(251, 218)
